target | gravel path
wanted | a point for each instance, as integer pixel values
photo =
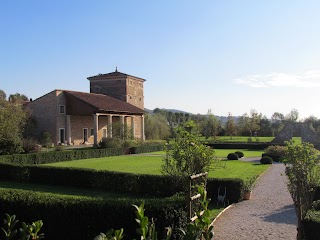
(269, 214)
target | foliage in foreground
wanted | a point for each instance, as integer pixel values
(25, 232)
(301, 169)
(187, 156)
(201, 228)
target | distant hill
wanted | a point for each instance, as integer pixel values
(168, 110)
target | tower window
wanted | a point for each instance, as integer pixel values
(61, 109)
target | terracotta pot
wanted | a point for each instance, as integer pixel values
(247, 195)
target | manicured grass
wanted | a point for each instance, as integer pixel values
(61, 190)
(222, 153)
(152, 165)
(246, 152)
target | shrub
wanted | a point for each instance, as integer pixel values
(276, 150)
(111, 143)
(266, 160)
(45, 139)
(233, 156)
(240, 154)
(30, 145)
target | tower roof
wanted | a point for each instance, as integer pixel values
(112, 75)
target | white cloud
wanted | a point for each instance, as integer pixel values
(309, 79)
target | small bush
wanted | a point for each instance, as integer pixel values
(30, 145)
(233, 156)
(45, 139)
(266, 160)
(240, 154)
(111, 143)
(276, 150)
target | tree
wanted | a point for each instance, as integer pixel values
(156, 126)
(265, 127)
(3, 95)
(211, 125)
(301, 168)
(17, 98)
(254, 122)
(230, 126)
(243, 125)
(187, 156)
(12, 120)
(293, 116)
(277, 122)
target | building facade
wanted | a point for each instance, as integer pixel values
(114, 106)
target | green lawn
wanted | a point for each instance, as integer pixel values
(152, 165)
(61, 190)
(223, 153)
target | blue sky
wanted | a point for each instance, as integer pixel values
(228, 56)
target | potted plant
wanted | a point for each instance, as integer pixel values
(248, 186)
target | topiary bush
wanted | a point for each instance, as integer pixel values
(240, 154)
(266, 160)
(232, 156)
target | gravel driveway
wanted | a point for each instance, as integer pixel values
(269, 214)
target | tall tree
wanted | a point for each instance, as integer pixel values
(265, 127)
(211, 125)
(243, 125)
(3, 95)
(156, 126)
(277, 122)
(293, 116)
(12, 120)
(17, 98)
(254, 121)
(230, 126)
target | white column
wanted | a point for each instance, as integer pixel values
(132, 127)
(110, 126)
(122, 126)
(142, 129)
(95, 128)
(68, 129)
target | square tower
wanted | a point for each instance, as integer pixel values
(119, 85)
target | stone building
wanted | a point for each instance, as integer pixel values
(76, 118)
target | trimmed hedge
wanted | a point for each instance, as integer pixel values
(232, 156)
(68, 155)
(266, 160)
(311, 222)
(148, 185)
(84, 218)
(240, 154)
(256, 146)
(274, 157)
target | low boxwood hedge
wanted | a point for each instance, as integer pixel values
(76, 154)
(84, 218)
(149, 185)
(311, 222)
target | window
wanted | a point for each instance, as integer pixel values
(104, 132)
(62, 109)
(85, 135)
(91, 132)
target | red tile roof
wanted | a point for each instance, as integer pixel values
(104, 103)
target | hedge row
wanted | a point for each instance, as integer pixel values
(59, 156)
(256, 146)
(312, 222)
(84, 218)
(149, 185)
(274, 157)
